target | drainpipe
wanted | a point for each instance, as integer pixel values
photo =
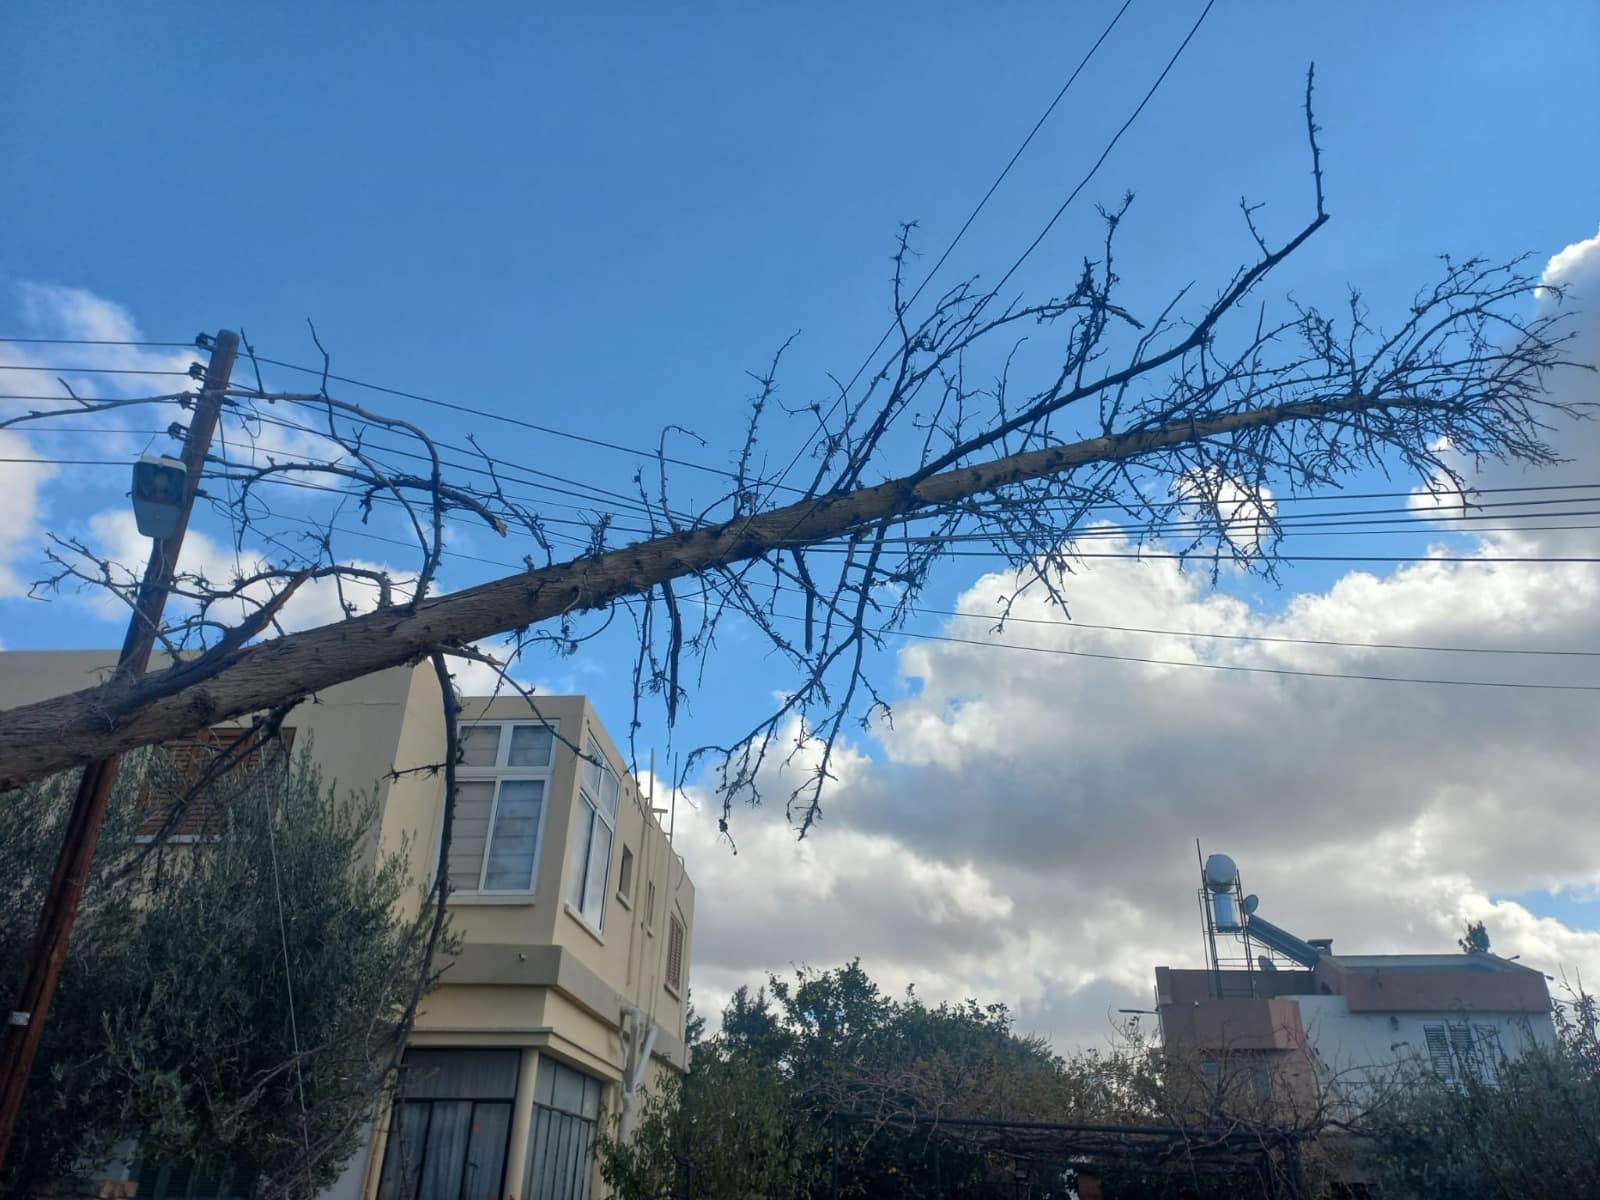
(638, 1063)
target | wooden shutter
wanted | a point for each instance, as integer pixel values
(1439, 1052)
(189, 758)
(675, 954)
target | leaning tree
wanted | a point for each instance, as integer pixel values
(1200, 413)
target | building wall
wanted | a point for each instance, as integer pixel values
(532, 974)
(1358, 1049)
(1329, 1035)
(354, 729)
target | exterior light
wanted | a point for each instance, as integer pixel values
(158, 495)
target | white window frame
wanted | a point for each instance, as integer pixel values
(498, 774)
(585, 806)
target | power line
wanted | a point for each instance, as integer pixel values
(40, 341)
(1204, 556)
(1255, 637)
(1199, 556)
(91, 371)
(514, 472)
(169, 398)
(973, 215)
(501, 417)
(1112, 144)
(1073, 195)
(1228, 667)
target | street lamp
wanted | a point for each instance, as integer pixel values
(158, 495)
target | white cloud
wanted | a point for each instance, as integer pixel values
(115, 537)
(1575, 267)
(20, 484)
(1026, 830)
(31, 380)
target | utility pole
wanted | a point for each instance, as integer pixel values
(19, 1039)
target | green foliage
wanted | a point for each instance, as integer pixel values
(1475, 940)
(763, 1109)
(172, 1025)
(727, 1132)
(1532, 1130)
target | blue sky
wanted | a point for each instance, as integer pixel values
(600, 217)
(590, 219)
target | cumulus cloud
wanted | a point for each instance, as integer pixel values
(115, 537)
(1026, 829)
(38, 378)
(21, 482)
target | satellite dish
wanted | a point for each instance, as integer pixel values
(1220, 873)
(1250, 903)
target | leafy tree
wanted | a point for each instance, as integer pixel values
(1526, 1127)
(1475, 940)
(239, 1000)
(811, 1081)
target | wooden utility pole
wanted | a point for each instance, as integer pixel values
(19, 1039)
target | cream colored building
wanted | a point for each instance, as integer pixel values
(577, 918)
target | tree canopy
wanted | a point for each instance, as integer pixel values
(236, 1000)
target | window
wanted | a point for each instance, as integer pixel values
(450, 1126)
(1458, 1051)
(172, 781)
(596, 823)
(501, 782)
(566, 1109)
(233, 1180)
(625, 877)
(675, 955)
(650, 908)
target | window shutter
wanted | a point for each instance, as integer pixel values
(1439, 1051)
(625, 875)
(1463, 1055)
(675, 954)
(190, 757)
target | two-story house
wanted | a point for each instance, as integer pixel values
(576, 916)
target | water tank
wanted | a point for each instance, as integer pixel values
(1220, 873)
(1227, 913)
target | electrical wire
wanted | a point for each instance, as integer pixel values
(91, 371)
(1034, 245)
(1519, 685)
(1136, 555)
(1255, 637)
(1111, 145)
(1103, 627)
(987, 196)
(535, 426)
(41, 341)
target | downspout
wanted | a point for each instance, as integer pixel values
(638, 1064)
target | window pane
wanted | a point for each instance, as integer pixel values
(514, 847)
(446, 1153)
(480, 745)
(609, 790)
(461, 1074)
(578, 854)
(402, 1162)
(568, 1093)
(593, 768)
(470, 834)
(530, 746)
(594, 891)
(486, 1152)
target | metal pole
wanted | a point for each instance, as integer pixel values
(19, 1040)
